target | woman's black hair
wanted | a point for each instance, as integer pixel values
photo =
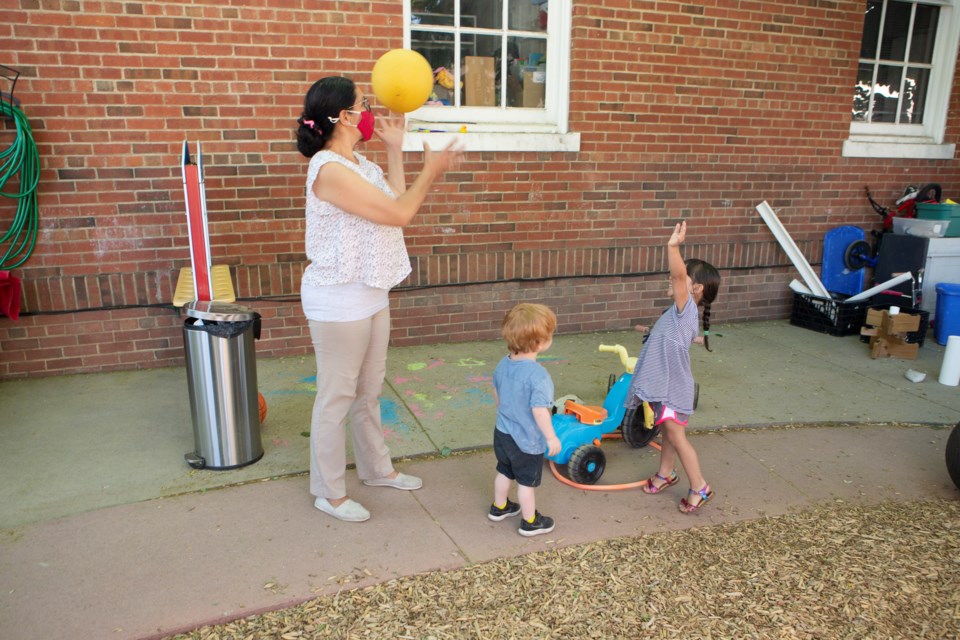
(704, 273)
(325, 99)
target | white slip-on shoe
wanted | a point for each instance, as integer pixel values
(348, 511)
(402, 481)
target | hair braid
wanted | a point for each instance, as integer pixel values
(706, 326)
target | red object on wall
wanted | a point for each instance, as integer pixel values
(197, 224)
(9, 295)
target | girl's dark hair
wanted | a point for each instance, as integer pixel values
(325, 99)
(705, 274)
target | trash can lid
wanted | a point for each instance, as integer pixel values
(218, 311)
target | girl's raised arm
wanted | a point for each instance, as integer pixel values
(678, 270)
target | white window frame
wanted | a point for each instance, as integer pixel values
(506, 128)
(924, 141)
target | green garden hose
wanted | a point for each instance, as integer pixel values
(20, 158)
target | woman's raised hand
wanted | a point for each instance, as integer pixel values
(439, 162)
(390, 130)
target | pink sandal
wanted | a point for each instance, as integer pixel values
(669, 481)
(705, 494)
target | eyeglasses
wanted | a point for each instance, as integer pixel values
(364, 103)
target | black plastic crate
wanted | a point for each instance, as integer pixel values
(917, 336)
(828, 315)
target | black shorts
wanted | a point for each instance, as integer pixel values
(525, 468)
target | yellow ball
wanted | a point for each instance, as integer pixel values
(402, 80)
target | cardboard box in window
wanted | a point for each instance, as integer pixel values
(480, 80)
(534, 83)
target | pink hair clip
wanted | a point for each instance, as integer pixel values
(309, 123)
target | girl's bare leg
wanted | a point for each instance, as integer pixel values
(668, 456)
(676, 435)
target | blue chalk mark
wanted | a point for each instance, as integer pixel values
(483, 396)
(389, 416)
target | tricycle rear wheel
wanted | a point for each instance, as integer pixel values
(636, 432)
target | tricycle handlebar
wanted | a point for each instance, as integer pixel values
(627, 362)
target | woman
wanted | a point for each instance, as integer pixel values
(354, 241)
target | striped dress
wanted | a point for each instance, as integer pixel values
(662, 373)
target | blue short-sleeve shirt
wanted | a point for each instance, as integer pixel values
(522, 385)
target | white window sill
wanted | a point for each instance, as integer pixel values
(866, 148)
(494, 141)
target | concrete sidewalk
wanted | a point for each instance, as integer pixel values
(163, 566)
(107, 533)
(76, 443)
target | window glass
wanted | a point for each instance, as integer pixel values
(529, 16)
(896, 56)
(871, 29)
(433, 12)
(896, 25)
(924, 33)
(486, 14)
(482, 76)
(886, 92)
(914, 96)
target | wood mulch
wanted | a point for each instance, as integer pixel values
(889, 570)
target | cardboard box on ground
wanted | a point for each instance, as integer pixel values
(888, 334)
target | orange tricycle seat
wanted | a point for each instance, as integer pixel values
(586, 414)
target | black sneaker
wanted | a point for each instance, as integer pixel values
(509, 510)
(540, 524)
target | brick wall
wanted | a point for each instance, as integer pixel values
(694, 110)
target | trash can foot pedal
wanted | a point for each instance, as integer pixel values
(195, 461)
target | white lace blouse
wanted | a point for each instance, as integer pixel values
(343, 247)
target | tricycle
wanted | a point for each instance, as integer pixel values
(581, 427)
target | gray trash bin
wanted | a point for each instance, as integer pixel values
(218, 340)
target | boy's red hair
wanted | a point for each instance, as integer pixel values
(528, 325)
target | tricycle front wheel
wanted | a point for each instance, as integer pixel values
(586, 464)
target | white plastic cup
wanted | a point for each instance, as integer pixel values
(950, 369)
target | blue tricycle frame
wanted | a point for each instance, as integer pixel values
(580, 441)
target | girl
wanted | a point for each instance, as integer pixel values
(662, 376)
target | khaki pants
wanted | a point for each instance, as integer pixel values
(351, 366)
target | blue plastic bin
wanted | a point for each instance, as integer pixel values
(946, 321)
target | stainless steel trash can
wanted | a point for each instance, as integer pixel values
(218, 341)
